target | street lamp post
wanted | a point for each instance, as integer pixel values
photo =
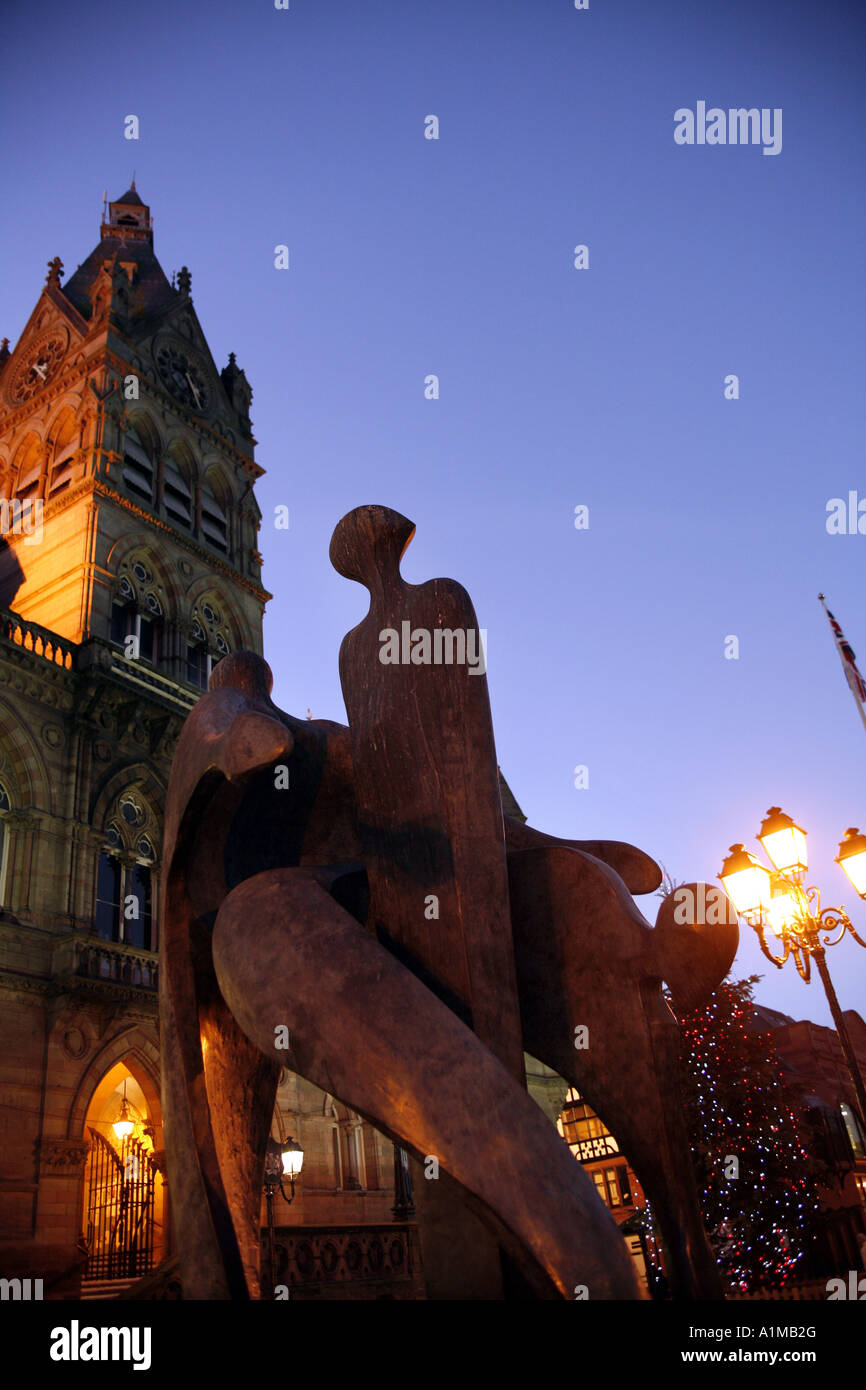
(281, 1160)
(778, 900)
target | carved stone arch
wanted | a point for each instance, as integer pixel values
(181, 442)
(215, 475)
(181, 446)
(27, 452)
(138, 777)
(64, 430)
(165, 576)
(137, 1048)
(23, 771)
(142, 421)
(234, 623)
(72, 399)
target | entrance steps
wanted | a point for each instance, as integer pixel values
(104, 1288)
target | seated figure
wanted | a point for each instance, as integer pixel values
(361, 887)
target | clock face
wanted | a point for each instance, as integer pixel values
(183, 377)
(38, 368)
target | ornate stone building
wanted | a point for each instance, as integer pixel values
(128, 567)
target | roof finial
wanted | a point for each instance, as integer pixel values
(132, 185)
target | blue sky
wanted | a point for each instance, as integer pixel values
(558, 387)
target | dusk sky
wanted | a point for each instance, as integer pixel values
(558, 387)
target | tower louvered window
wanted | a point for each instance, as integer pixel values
(137, 467)
(177, 496)
(214, 523)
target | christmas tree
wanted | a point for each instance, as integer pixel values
(756, 1181)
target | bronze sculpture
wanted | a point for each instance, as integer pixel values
(362, 888)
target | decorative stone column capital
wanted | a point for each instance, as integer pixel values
(63, 1156)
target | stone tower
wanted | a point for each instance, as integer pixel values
(115, 418)
(128, 567)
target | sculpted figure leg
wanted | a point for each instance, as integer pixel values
(586, 958)
(363, 1028)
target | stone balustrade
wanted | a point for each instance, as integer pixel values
(39, 640)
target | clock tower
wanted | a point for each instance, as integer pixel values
(127, 464)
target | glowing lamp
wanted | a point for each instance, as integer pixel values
(782, 911)
(784, 842)
(852, 858)
(292, 1157)
(123, 1124)
(747, 882)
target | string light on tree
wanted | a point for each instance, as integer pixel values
(738, 1105)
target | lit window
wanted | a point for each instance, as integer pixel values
(613, 1186)
(586, 1135)
(855, 1130)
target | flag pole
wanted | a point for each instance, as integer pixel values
(836, 630)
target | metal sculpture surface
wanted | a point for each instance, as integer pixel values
(361, 887)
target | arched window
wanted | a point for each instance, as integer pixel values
(4, 844)
(65, 435)
(124, 888)
(137, 619)
(349, 1153)
(29, 469)
(137, 466)
(207, 644)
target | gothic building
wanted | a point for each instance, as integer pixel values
(128, 567)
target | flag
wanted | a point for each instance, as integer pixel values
(846, 653)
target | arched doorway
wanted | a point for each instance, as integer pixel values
(123, 1226)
